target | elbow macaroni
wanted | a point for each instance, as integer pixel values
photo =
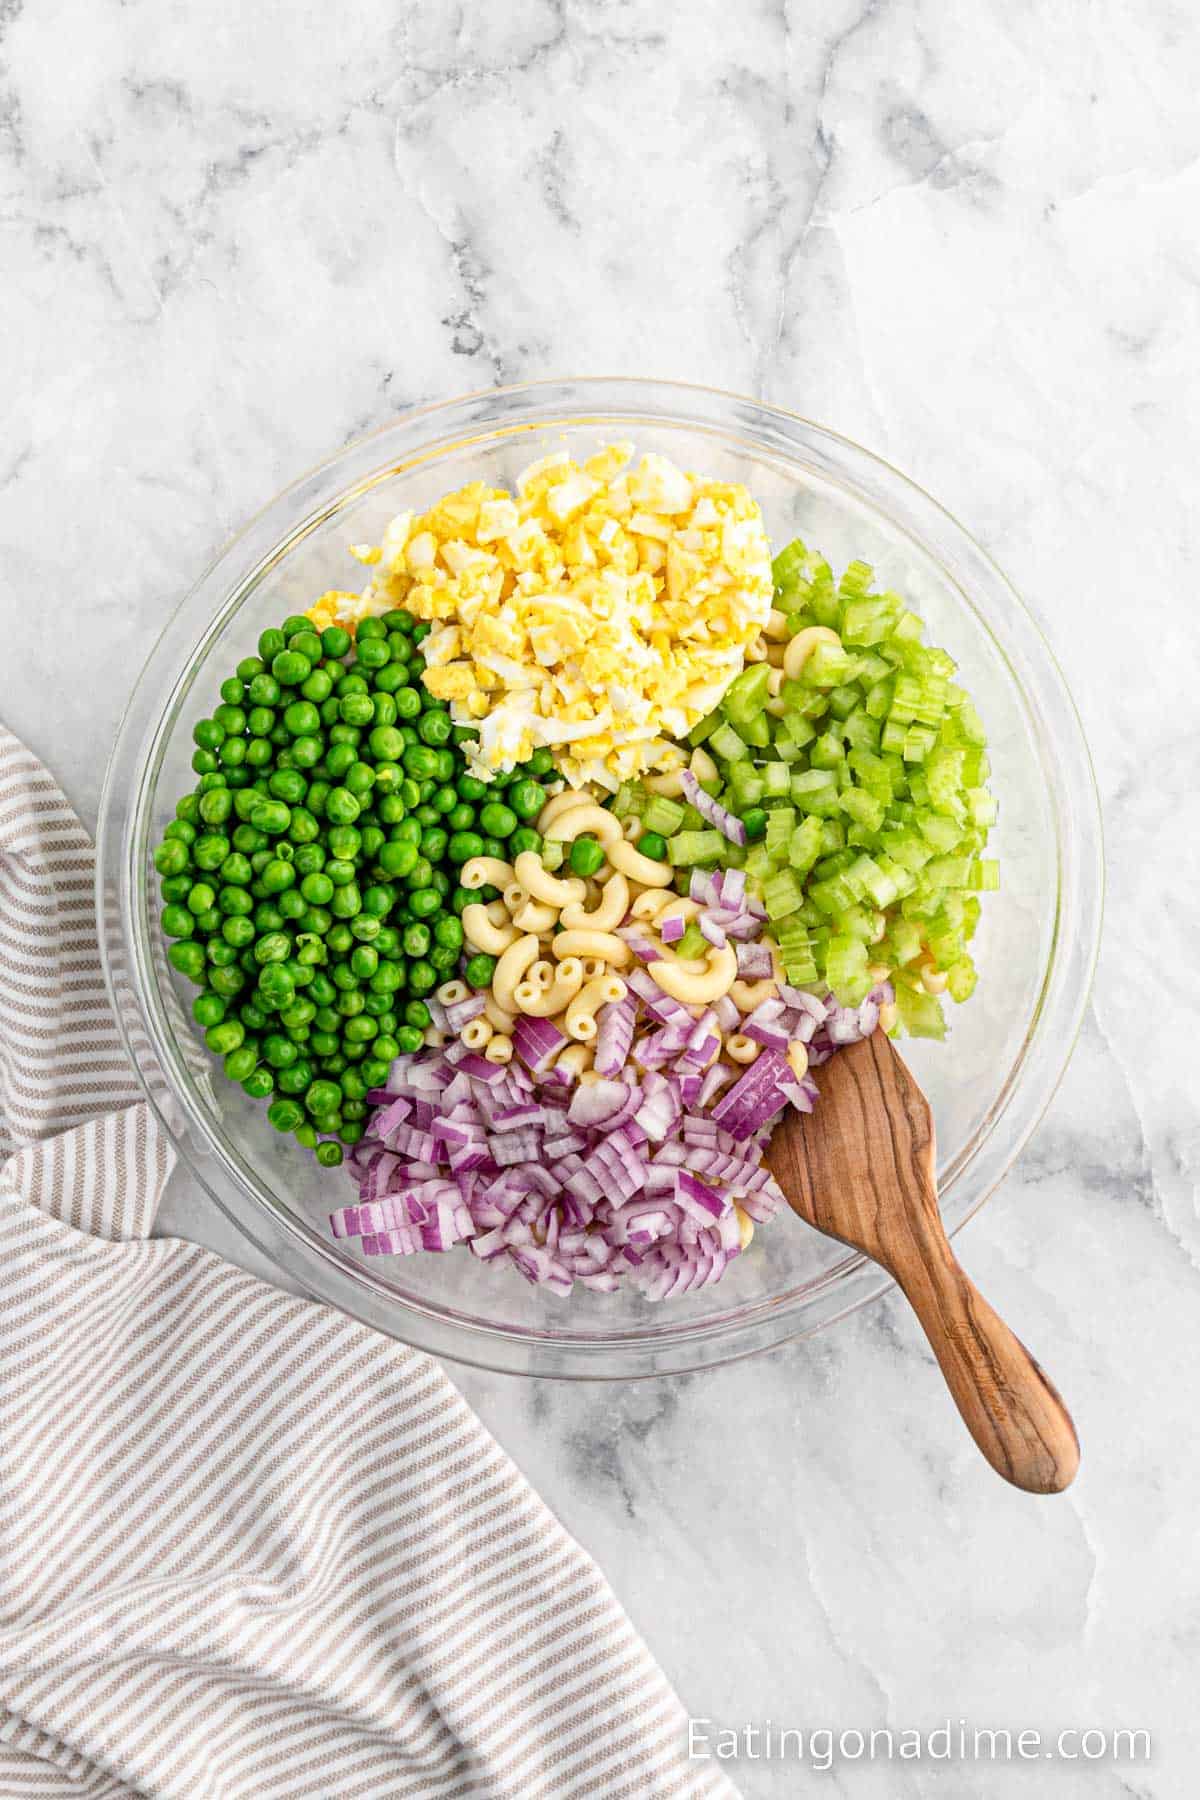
(512, 967)
(479, 930)
(801, 647)
(608, 912)
(539, 882)
(580, 1022)
(697, 987)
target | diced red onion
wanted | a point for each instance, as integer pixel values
(726, 822)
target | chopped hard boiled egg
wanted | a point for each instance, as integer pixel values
(600, 612)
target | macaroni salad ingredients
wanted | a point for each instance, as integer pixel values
(599, 612)
(539, 898)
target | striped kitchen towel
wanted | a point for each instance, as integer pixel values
(248, 1547)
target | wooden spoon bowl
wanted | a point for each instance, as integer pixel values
(861, 1169)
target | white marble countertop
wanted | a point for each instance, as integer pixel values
(965, 234)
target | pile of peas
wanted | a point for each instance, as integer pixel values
(310, 881)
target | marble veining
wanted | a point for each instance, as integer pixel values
(234, 237)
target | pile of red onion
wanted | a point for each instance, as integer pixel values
(628, 1178)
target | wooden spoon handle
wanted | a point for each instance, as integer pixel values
(1009, 1405)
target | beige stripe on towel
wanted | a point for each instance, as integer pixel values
(251, 1549)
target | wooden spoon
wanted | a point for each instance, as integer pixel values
(861, 1169)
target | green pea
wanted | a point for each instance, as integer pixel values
(653, 845)
(307, 752)
(586, 856)
(317, 889)
(526, 798)
(409, 1040)
(524, 838)
(334, 641)
(463, 845)
(296, 1079)
(238, 931)
(318, 687)
(210, 851)
(288, 785)
(433, 843)
(356, 709)
(240, 1063)
(216, 806)
(398, 858)
(492, 846)
(276, 946)
(415, 939)
(278, 1050)
(444, 802)
(359, 779)
(232, 754)
(271, 816)
(290, 668)
(171, 857)
(231, 719)
(259, 1084)
(373, 652)
(285, 1115)
(346, 901)
(189, 959)
(364, 961)
(755, 821)
(497, 819)
(221, 954)
(208, 1009)
(423, 902)
(178, 922)
(223, 1038)
(480, 969)
(448, 932)
(420, 762)
(341, 808)
(329, 1154)
(434, 728)
(226, 981)
(264, 692)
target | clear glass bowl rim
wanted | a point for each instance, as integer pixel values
(430, 431)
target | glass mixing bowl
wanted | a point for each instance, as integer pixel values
(990, 1081)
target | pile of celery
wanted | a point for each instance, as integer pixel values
(860, 789)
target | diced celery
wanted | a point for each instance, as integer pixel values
(805, 844)
(776, 780)
(815, 791)
(833, 836)
(758, 863)
(689, 847)
(846, 969)
(552, 853)
(941, 832)
(919, 1012)
(984, 875)
(663, 815)
(725, 743)
(862, 807)
(692, 943)
(746, 695)
(746, 786)
(961, 978)
(699, 734)
(630, 800)
(827, 752)
(904, 941)
(755, 732)
(798, 727)
(790, 564)
(781, 893)
(781, 821)
(826, 667)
